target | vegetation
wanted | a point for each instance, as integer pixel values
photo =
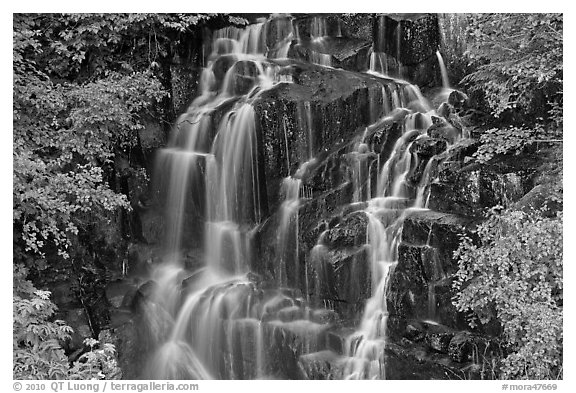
(513, 274)
(519, 63)
(37, 340)
(82, 85)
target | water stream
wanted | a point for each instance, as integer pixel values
(217, 322)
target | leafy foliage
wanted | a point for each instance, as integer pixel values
(36, 341)
(66, 133)
(98, 363)
(515, 276)
(37, 349)
(519, 58)
(510, 140)
(82, 84)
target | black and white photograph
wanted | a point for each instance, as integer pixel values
(286, 196)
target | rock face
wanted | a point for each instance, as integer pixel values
(346, 53)
(466, 187)
(421, 284)
(321, 109)
(330, 128)
(409, 43)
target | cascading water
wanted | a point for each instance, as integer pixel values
(213, 309)
(365, 348)
(218, 323)
(288, 229)
(443, 70)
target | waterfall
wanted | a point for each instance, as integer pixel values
(288, 230)
(366, 347)
(443, 71)
(208, 312)
(217, 321)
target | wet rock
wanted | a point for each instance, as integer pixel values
(346, 53)
(539, 198)
(318, 25)
(221, 66)
(338, 103)
(351, 231)
(408, 290)
(407, 44)
(442, 129)
(143, 294)
(458, 99)
(336, 339)
(384, 136)
(244, 77)
(411, 38)
(286, 342)
(414, 332)
(329, 172)
(439, 341)
(445, 110)
(449, 114)
(442, 294)
(403, 364)
(341, 280)
(421, 284)
(357, 26)
(466, 346)
(278, 28)
(324, 316)
(242, 362)
(291, 313)
(152, 223)
(468, 189)
(315, 214)
(435, 229)
(428, 147)
(323, 365)
(132, 349)
(272, 307)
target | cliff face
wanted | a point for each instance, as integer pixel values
(332, 127)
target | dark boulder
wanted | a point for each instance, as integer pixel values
(466, 346)
(322, 365)
(442, 129)
(346, 53)
(428, 147)
(410, 38)
(289, 134)
(407, 44)
(539, 198)
(349, 232)
(470, 188)
(458, 99)
(341, 280)
(221, 66)
(435, 229)
(318, 25)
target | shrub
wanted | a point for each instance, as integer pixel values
(519, 63)
(515, 276)
(37, 339)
